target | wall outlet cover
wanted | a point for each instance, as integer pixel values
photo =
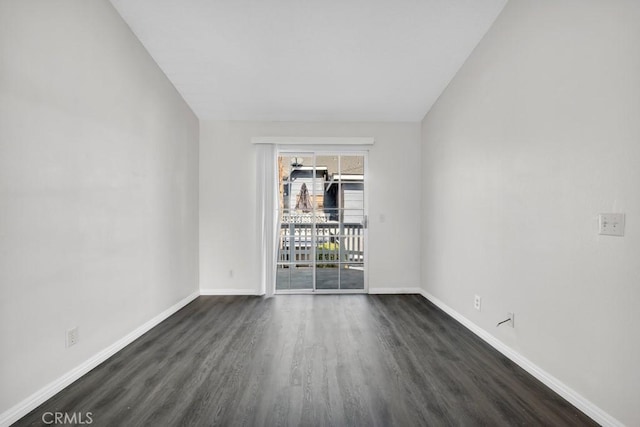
(72, 337)
(611, 224)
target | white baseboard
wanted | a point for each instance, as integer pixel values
(229, 292)
(577, 400)
(395, 291)
(38, 398)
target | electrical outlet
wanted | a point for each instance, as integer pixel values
(476, 302)
(611, 224)
(72, 336)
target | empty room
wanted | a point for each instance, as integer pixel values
(319, 213)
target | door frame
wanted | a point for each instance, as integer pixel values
(316, 151)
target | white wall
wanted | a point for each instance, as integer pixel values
(228, 215)
(98, 189)
(536, 135)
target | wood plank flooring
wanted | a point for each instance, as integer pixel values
(302, 360)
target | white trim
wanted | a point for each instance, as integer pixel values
(312, 140)
(18, 411)
(366, 183)
(573, 397)
(395, 291)
(229, 292)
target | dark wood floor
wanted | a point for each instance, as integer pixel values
(388, 360)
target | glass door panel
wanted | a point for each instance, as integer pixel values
(284, 244)
(352, 221)
(296, 193)
(326, 227)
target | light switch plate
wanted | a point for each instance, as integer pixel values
(611, 224)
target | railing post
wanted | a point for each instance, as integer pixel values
(292, 240)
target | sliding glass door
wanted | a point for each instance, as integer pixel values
(322, 217)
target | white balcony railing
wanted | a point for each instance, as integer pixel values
(333, 243)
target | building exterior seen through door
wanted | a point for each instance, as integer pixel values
(322, 222)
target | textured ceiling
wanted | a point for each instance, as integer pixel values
(331, 60)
